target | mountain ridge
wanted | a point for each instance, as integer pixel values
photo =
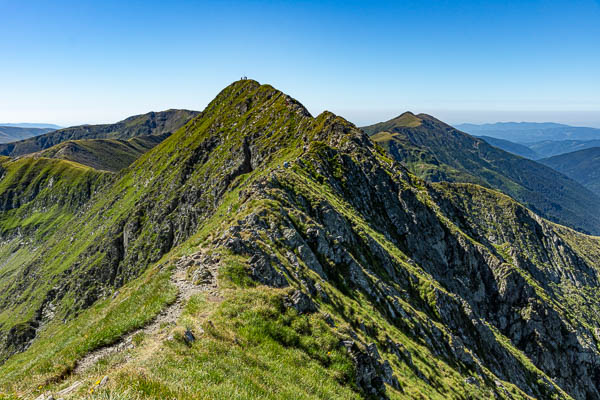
(436, 151)
(102, 154)
(340, 274)
(32, 125)
(512, 147)
(145, 124)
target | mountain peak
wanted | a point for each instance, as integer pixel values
(245, 94)
(406, 119)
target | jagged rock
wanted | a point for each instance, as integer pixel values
(471, 380)
(322, 293)
(202, 275)
(400, 351)
(301, 302)
(384, 368)
(295, 241)
(263, 271)
(310, 260)
(371, 374)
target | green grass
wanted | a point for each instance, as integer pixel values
(251, 348)
(55, 353)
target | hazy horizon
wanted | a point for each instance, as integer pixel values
(362, 118)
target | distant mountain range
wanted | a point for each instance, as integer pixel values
(549, 148)
(577, 159)
(535, 140)
(12, 133)
(152, 123)
(31, 125)
(530, 132)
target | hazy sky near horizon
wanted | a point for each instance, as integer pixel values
(73, 62)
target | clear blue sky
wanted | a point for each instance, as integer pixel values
(71, 62)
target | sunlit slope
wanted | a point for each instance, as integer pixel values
(102, 154)
(153, 123)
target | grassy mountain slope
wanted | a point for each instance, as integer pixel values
(339, 275)
(511, 147)
(38, 194)
(102, 154)
(582, 166)
(12, 134)
(153, 123)
(437, 152)
(549, 148)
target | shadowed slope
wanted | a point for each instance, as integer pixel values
(437, 152)
(512, 147)
(582, 166)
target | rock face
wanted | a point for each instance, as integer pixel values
(371, 373)
(301, 302)
(414, 278)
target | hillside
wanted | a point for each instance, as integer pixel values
(38, 195)
(529, 132)
(549, 148)
(582, 166)
(259, 252)
(102, 154)
(437, 152)
(153, 123)
(13, 134)
(512, 147)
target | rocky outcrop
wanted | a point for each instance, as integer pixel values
(371, 373)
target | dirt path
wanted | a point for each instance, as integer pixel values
(169, 315)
